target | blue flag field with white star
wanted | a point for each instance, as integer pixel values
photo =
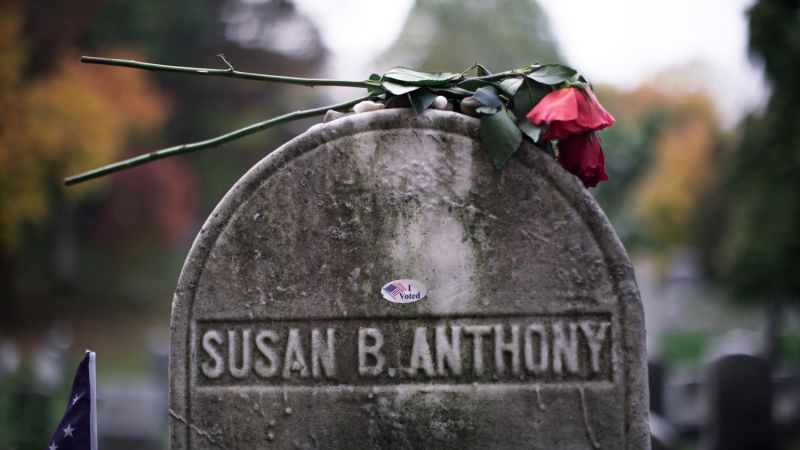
(78, 429)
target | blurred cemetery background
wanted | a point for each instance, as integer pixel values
(704, 189)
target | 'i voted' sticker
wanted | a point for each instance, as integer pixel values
(404, 291)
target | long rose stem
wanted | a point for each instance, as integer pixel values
(213, 142)
(230, 72)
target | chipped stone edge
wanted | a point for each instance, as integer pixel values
(637, 431)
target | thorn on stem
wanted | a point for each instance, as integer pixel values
(469, 69)
(230, 67)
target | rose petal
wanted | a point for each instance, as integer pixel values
(568, 112)
(582, 155)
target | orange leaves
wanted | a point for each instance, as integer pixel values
(682, 169)
(59, 122)
(11, 48)
(85, 115)
(673, 134)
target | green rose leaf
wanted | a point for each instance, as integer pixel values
(453, 90)
(510, 85)
(500, 136)
(398, 89)
(421, 99)
(415, 78)
(578, 80)
(530, 130)
(482, 70)
(488, 96)
(527, 96)
(552, 74)
(376, 91)
(486, 110)
(472, 84)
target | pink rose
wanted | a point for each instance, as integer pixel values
(568, 112)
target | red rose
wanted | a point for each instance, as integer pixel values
(568, 112)
(572, 116)
(582, 156)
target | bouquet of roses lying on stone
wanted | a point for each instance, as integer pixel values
(551, 105)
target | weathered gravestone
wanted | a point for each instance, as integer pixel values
(530, 334)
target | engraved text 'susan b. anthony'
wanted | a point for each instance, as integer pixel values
(410, 351)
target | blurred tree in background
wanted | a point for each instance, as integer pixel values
(453, 34)
(59, 121)
(758, 255)
(659, 158)
(116, 245)
(102, 258)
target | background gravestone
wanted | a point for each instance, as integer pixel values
(739, 391)
(530, 335)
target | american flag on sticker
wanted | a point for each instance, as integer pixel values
(395, 288)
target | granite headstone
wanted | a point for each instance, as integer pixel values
(377, 283)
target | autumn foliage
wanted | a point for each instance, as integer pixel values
(661, 155)
(55, 123)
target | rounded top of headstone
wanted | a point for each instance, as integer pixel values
(512, 294)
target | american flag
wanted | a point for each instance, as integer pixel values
(78, 428)
(395, 288)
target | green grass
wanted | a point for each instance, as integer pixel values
(681, 348)
(790, 347)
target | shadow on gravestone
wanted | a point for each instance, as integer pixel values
(376, 283)
(739, 392)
